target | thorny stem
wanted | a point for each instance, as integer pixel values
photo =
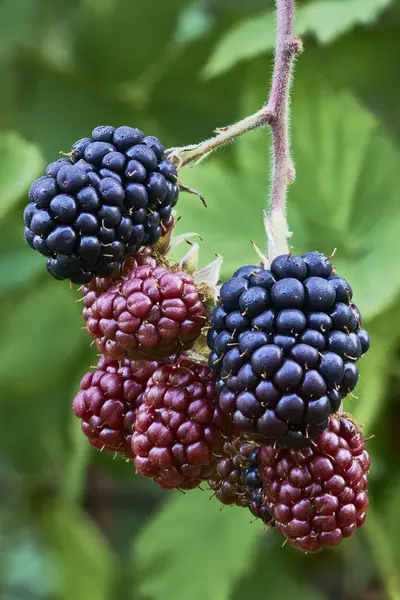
(276, 115)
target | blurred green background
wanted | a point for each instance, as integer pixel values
(75, 523)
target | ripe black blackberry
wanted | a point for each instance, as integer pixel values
(111, 196)
(284, 343)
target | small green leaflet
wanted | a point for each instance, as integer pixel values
(326, 20)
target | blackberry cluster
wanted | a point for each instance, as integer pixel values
(318, 494)
(178, 428)
(108, 401)
(151, 314)
(284, 343)
(112, 195)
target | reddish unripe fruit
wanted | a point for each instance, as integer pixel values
(98, 285)
(151, 314)
(178, 429)
(108, 401)
(317, 495)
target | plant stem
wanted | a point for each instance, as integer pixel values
(276, 115)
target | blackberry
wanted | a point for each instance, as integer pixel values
(152, 313)
(236, 479)
(284, 343)
(178, 428)
(112, 195)
(227, 480)
(318, 495)
(108, 401)
(254, 487)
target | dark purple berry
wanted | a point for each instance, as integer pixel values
(124, 137)
(155, 144)
(144, 155)
(266, 360)
(253, 301)
(290, 321)
(305, 355)
(63, 208)
(96, 151)
(264, 321)
(136, 196)
(41, 223)
(288, 293)
(319, 294)
(286, 342)
(231, 291)
(349, 379)
(71, 178)
(289, 265)
(331, 369)
(313, 338)
(62, 240)
(343, 290)
(88, 199)
(364, 339)
(103, 133)
(289, 376)
(318, 265)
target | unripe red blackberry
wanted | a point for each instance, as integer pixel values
(318, 494)
(154, 313)
(98, 285)
(108, 401)
(113, 194)
(284, 343)
(178, 428)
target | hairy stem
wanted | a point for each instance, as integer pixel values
(283, 172)
(276, 115)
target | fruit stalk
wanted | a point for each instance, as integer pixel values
(283, 172)
(275, 114)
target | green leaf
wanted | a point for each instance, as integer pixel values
(39, 335)
(192, 547)
(345, 194)
(383, 536)
(85, 560)
(21, 163)
(325, 19)
(74, 479)
(371, 389)
(267, 573)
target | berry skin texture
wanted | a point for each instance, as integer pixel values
(236, 479)
(227, 481)
(108, 401)
(98, 285)
(178, 428)
(318, 494)
(152, 314)
(111, 197)
(284, 345)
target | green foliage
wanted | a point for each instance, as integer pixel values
(75, 523)
(82, 554)
(325, 19)
(174, 544)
